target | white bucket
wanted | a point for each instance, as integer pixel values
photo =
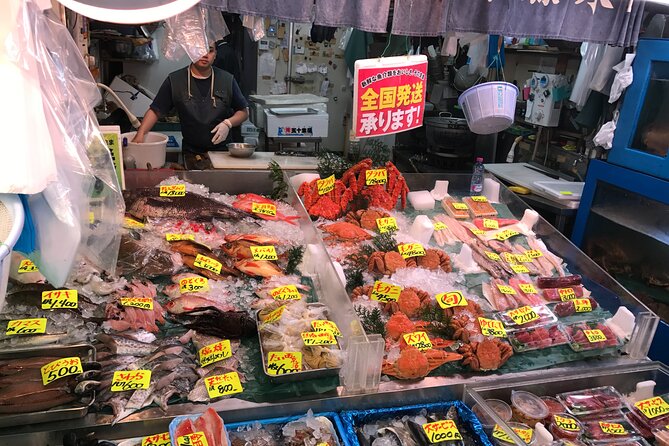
(11, 225)
(489, 107)
(150, 152)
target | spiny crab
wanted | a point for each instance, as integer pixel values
(433, 259)
(385, 263)
(413, 363)
(345, 231)
(411, 300)
(366, 218)
(329, 205)
(489, 354)
(378, 195)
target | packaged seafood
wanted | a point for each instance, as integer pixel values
(612, 414)
(208, 425)
(502, 409)
(652, 412)
(479, 207)
(661, 436)
(535, 316)
(527, 407)
(554, 406)
(564, 293)
(641, 425)
(591, 401)
(565, 426)
(322, 428)
(525, 432)
(590, 335)
(559, 282)
(454, 208)
(571, 307)
(535, 338)
(609, 431)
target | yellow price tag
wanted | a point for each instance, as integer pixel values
(318, 338)
(264, 209)
(325, 185)
(193, 284)
(438, 226)
(524, 434)
(325, 325)
(533, 253)
(26, 326)
(418, 339)
(386, 224)
(523, 315)
(60, 368)
(477, 231)
(194, 439)
(27, 266)
(492, 327)
(212, 353)
(501, 435)
(130, 380)
(222, 385)
(459, 206)
(282, 363)
(566, 423)
(91, 217)
(208, 263)
(451, 299)
(566, 294)
(264, 252)
(408, 250)
(131, 223)
(490, 223)
(174, 190)
(582, 305)
(528, 288)
(54, 299)
(509, 258)
(523, 258)
(506, 234)
(612, 428)
(595, 335)
(376, 176)
(145, 303)
(178, 237)
(479, 199)
(653, 407)
(492, 256)
(286, 292)
(566, 192)
(385, 292)
(274, 315)
(520, 269)
(505, 289)
(157, 440)
(444, 430)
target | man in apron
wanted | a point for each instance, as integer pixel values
(209, 103)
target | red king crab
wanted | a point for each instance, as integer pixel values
(330, 205)
(345, 231)
(411, 300)
(378, 195)
(489, 354)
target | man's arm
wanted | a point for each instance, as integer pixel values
(149, 120)
(161, 105)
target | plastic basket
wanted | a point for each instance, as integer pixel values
(11, 225)
(151, 152)
(489, 107)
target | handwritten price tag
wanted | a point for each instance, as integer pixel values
(523, 315)
(27, 266)
(408, 250)
(60, 368)
(490, 223)
(131, 223)
(566, 423)
(264, 209)
(595, 335)
(208, 263)
(325, 185)
(524, 434)
(264, 252)
(174, 190)
(145, 303)
(438, 226)
(170, 237)
(26, 326)
(418, 339)
(509, 258)
(477, 231)
(479, 199)
(506, 234)
(376, 176)
(612, 428)
(492, 256)
(192, 284)
(528, 288)
(52, 300)
(318, 338)
(194, 439)
(282, 363)
(520, 269)
(566, 294)
(653, 407)
(533, 253)
(459, 206)
(286, 292)
(492, 327)
(451, 299)
(439, 431)
(212, 353)
(582, 305)
(523, 258)
(157, 440)
(222, 385)
(325, 325)
(505, 289)
(385, 292)
(130, 380)
(386, 224)
(274, 315)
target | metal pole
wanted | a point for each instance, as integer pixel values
(291, 29)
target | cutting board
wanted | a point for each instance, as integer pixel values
(260, 160)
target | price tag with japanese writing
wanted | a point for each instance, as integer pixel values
(492, 256)
(194, 439)
(157, 440)
(60, 368)
(612, 428)
(479, 199)
(208, 263)
(533, 253)
(501, 435)
(212, 353)
(192, 284)
(509, 258)
(325, 325)
(274, 315)
(222, 385)
(418, 339)
(566, 294)
(459, 206)
(26, 326)
(477, 231)
(582, 305)
(266, 252)
(376, 176)
(595, 335)
(91, 217)
(567, 423)
(523, 258)
(490, 223)
(318, 338)
(439, 431)
(451, 299)
(385, 292)
(130, 380)
(408, 250)
(520, 269)
(174, 190)
(170, 237)
(653, 407)
(386, 224)
(505, 289)
(438, 226)
(286, 292)
(492, 327)
(264, 209)
(523, 315)
(506, 234)
(131, 223)
(54, 299)
(27, 266)
(527, 288)
(145, 303)
(524, 434)
(282, 363)
(325, 185)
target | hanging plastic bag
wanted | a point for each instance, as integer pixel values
(343, 39)
(192, 32)
(604, 137)
(601, 80)
(623, 78)
(591, 56)
(266, 65)
(255, 26)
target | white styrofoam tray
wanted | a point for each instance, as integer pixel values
(562, 190)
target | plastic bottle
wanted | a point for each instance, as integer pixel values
(476, 186)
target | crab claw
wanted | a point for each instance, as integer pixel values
(262, 268)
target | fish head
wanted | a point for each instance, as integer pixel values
(85, 387)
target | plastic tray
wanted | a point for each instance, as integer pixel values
(552, 335)
(591, 401)
(546, 317)
(331, 416)
(579, 342)
(177, 420)
(562, 190)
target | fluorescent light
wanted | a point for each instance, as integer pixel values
(129, 12)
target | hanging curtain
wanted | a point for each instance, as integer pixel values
(420, 17)
(299, 11)
(365, 15)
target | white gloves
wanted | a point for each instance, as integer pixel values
(220, 132)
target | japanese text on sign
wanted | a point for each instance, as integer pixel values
(523, 258)
(385, 292)
(505, 289)
(178, 237)
(408, 250)
(491, 327)
(145, 303)
(477, 231)
(60, 368)
(490, 223)
(325, 325)
(221, 385)
(194, 439)
(566, 423)
(566, 294)
(157, 440)
(131, 223)
(653, 407)
(524, 434)
(520, 269)
(492, 256)
(459, 206)
(479, 198)
(274, 315)
(509, 258)
(325, 185)
(418, 339)
(208, 263)
(266, 252)
(438, 226)
(174, 190)
(376, 176)
(212, 353)
(192, 284)
(582, 305)
(506, 234)
(612, 428)
(533, 253)
(264, 209)
(527, 288)
(60, 299)
(595, 335)
(27, 266)
(318, 338)
(439, 431)
(286, 292)
(130, 380)
(26, 326)
(386, 224)
(451, 299)
(523, 315)
(281, 363)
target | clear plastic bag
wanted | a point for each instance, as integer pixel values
(192, 32)
(255, 26)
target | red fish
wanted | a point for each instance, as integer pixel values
(245, 202)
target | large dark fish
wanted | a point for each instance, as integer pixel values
(136, 258)
(214, 322)
(147, 202)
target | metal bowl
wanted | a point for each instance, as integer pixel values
(240, 149)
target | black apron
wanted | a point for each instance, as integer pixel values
(199, 113)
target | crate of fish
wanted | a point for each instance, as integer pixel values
(447, 423)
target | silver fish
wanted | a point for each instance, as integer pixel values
(124, 346)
